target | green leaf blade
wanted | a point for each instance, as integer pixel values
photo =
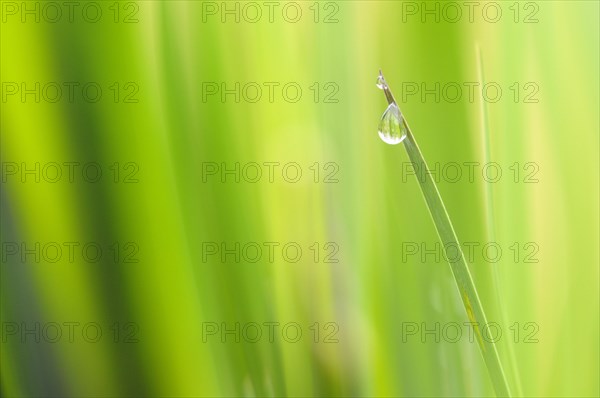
(460, 270)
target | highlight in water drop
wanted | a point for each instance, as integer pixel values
(392, 129)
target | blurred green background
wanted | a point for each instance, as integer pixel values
(178, 133)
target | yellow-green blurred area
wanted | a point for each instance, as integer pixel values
(195, 200)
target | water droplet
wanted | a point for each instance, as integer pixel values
(392, 129)
(381, 82)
